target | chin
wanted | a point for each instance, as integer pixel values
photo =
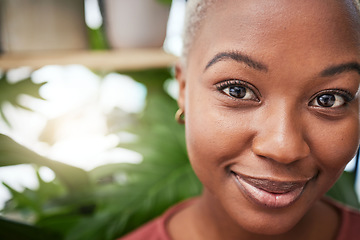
(270, 221)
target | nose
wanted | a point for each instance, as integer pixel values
(281, 135)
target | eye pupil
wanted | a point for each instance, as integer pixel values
(326, 100)
(238, 92)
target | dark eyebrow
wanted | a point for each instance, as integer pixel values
(239, 57)
(338, 69)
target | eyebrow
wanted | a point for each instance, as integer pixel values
(239, 57)
(338, 69)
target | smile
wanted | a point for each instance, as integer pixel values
(268, 193)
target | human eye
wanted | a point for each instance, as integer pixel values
(335, 98)
(238, 89)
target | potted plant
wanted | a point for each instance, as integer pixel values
(135, 23)
(42, 25)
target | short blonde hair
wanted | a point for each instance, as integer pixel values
(195, 13)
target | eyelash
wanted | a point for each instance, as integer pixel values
(238, 83)
(344, 94)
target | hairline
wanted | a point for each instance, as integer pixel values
(196, 11)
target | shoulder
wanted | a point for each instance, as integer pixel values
(350, 222)
(156, 229)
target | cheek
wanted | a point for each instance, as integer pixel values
(334, 144)
(208, 148)
(214, 136)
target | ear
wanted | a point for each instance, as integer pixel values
(180, 76)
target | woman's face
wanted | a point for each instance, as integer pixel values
(270, 94)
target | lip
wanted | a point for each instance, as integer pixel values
(269, 193)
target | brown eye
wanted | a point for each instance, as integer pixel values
(328, 100)
(240, 92)
(238, 89)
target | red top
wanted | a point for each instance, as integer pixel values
(156, 229)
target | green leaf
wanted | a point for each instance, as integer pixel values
(168, 2)
(24, 200)
(97, 39)
(344, 191)
(60, 222)
(19, 231)
(12, 153)
(10, 92)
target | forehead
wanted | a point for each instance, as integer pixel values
(278, 11)
(280, 25)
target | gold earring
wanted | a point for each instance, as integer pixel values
(179, 116)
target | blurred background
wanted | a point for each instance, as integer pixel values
(89, 148)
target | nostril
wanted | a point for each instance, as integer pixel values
(284, 152)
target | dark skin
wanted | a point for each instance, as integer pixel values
(270, 92)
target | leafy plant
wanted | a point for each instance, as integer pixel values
(12, 153)
(20, 231)
(10, 92)
(112, 200)
(165, 1)
(136, 193)
(343, 190)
